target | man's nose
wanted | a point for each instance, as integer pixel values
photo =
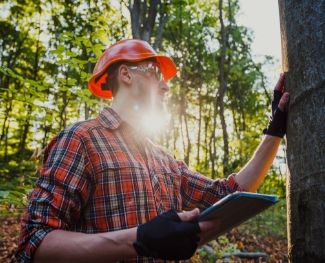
(164, 86)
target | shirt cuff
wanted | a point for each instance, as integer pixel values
(25, 255)
(232, 182)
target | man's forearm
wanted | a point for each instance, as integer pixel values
(253, 173)
(66, 246)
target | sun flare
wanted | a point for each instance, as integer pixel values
(154, 123)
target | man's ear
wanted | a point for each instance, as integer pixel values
(124, 75)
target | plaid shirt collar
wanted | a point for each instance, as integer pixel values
(110, 119)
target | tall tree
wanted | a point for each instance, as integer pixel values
(143, 19)
(303, 47)
(222, 89)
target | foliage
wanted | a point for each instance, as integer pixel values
(49, 49)
(14, 190)
(272, 222)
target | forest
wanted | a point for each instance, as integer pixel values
(218, 103)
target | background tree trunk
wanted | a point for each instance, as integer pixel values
(222, 90)
(143, 19)
(199, 125)
(303, 48)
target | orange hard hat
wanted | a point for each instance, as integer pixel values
(131, 50)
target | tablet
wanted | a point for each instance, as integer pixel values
(236, 208)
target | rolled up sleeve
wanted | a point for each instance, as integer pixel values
(61, 191)
(200, 191)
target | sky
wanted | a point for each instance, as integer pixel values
(262, 17)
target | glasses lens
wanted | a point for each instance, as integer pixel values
(151, 68)
(158, 73)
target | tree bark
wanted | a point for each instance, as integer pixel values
(199, 124)
(143, 19)
(163, 18)
(8, 107)
(6, 142)
(303, 48)
(213, 149)
(134, 8)
(149, 21)
(188, 140)
(26, 126)
(182, 134)
(222, 90)
(63, 111)
(206, 144)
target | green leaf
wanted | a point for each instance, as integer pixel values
(85, 75)
(64, 88)
(93, 60)
(72, 54)
(60, 48)
(79, 62)
(101, 34)
(61, 80)
(66, 36)
(71, 81)
(62, 61)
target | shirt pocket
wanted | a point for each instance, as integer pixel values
(166, 183)
(120, 191)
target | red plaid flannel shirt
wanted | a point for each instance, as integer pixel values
(99, 176)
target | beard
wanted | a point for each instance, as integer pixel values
(153, 116)
(150, 107)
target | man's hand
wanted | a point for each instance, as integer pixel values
(169, 236)
(278, 121)
(209, 229)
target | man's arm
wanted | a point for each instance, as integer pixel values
(253, 173)
(250, 177)
(66, 246)
(178, 240)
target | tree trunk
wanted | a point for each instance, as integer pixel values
(23, 141)
(222, 90)
(24, 133)
(303, 48)
(188, 140)
(143, 18)
(182, 134)
(175, 135)
(163, 18)
(47, 129)
(206, 144)
(8, 108)
(63, 111)
(6, 142)
(199, 128)
(213, 150)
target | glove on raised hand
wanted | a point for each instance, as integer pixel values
(278, 120)
(167, 237)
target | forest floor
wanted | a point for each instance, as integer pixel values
(275, 248)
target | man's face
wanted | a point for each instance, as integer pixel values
(149, 88)
(148, 94)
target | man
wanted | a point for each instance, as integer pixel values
(106, 193)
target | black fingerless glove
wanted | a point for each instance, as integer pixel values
(278, 120)
(167, 237)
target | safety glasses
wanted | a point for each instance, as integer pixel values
(151, 67)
